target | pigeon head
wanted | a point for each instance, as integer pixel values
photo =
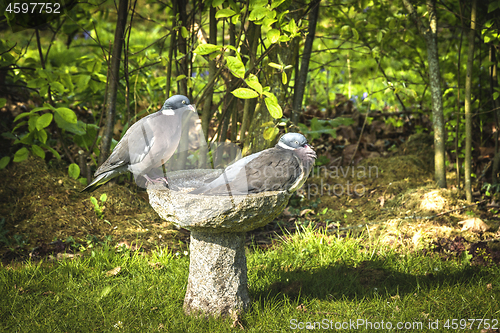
(298, 143)
(293, 141)
(178, 102)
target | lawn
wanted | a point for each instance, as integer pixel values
(308, 280)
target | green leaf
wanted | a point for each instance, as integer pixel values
(94, 202)
(284, 38)
(21, 154)
(180, 77)
(32, 122)
(22, 115)
(273, 35)
(380, 35)
(268, 124)
(245, 93)
(22, 123)
(83, 81)
(43, 108)
(41, 135)
(275, 65)
(204, 49)
(257, 3)
(184, 33)
(78, 128)
(56, 86)
(235, 19)
(253, 82)
(52, 150)
(267, 22)
(270, 133)
(355, 34)
(284, 79)
(38, 151)
(217, 3)
(3, 101)
(226, 12)
(4, 162)
(44, 121)
(103, 197)
(27, 139)
(258, 13)
(493, 5)
(292, 26)
(74, 171)
(273, 107)
(68, 83)
(236, 66)
(67, 114)
(276, 3)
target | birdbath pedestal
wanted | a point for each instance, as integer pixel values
(217, 283)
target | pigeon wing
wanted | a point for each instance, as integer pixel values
(273, 170)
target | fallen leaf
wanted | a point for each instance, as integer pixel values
(489, 286)
(287, 213)
(235, 316)
(474, 225)
(113, 271)
(306, 211)
(156, 265)
(302, 308)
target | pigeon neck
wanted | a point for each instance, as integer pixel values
(284, 146)
(168, 112)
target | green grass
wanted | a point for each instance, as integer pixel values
(309, 277)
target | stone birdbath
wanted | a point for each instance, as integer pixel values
(217, 283)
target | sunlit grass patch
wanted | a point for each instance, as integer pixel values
(308, 277)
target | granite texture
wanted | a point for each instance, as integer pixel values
(213, 214)
(217, 280)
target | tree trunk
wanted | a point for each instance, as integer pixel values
(182, 84)
(230, 100)
(173, 44)
(301, 78)
(496, 105)
(252, 37)
(468, 106)
(430, 36)
(114, 79)
(437, 100)
(182, 47)
(206, 115)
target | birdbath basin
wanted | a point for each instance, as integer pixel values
(217, 283)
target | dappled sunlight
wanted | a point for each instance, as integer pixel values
(433, 201)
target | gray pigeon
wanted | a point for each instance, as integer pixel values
(146, 145)
(284, 167)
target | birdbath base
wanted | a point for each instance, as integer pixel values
(217, 283)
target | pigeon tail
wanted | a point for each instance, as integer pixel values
(103, 178)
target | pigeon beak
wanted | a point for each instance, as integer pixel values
(192, 107)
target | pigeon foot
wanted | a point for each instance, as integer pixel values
(156, 180)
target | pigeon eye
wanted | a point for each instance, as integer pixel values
(183, 102)
(296, 142)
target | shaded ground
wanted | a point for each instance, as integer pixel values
(42, 211)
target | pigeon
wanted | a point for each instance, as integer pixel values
(282, 168)
(148, 144)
